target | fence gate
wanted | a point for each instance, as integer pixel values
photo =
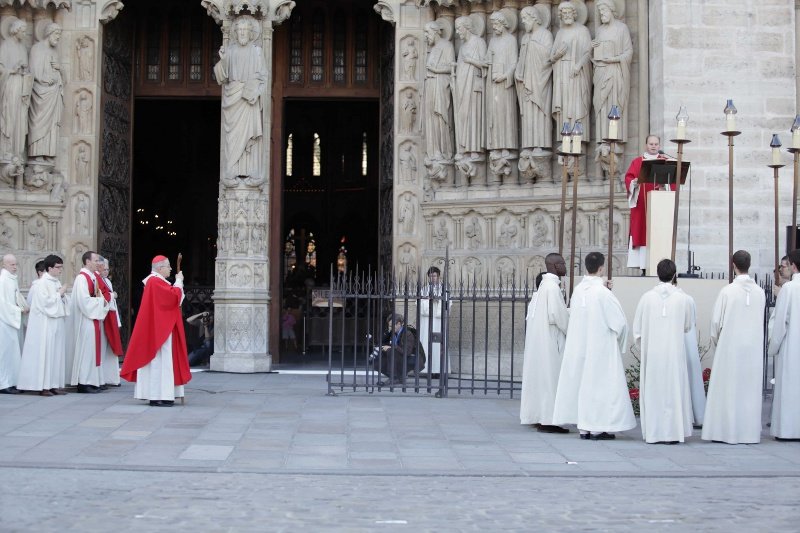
(472, 332)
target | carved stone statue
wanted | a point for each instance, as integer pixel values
(539, 231)
(82, 164)
(15, 89)
(84, 51)
(6, 234)
(81, 221)
(243, 73)
(468, 100)
(83, 113)
(438, 92)
(534, 76)
(612, 54)
(502, 114)
(441, 235)
(47, 98)
(407, 163)
(508, 233)
(473, 234)
(405, 218)
(408, 112)
(409, 60)
(572, 69)
(36, 231)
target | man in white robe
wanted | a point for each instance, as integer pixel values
(88, 308)
(663, 317)
(592, 391)
(430, 322)
(545, 334)
(39, 267)
(733, 409)
(697, 389)
(43, 360)
(784, 346)
(12, 305)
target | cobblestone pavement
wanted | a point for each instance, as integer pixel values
(270, 452)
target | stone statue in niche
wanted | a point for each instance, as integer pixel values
(6, 234)
(473, 233)
(438, 92)
(604, 229)
(508, 233)
(11, 172)
(405, 218)
(505, 270)
(441, 235)
(36, 230)
(602, 156)
(534, 79)
(408, 259)
(409, 60)
(539, 231)
(408, 112)
(257, 238)
(242, 72)
(468, 103)
(612, 52)
(407, 162)
(84, 52)
(15, 89)
(572, 68)
(502, 114)
(83, 113)
(77, 251)
(240, 237)
(472, 268)
(47, 98)
(80, 224)
(82, 164)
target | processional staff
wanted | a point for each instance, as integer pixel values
(730, 132)
(680, 139)
(612, 140)
(795, 150)
(775, 144)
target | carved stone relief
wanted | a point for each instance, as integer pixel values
(47, 93)
(509, 233)
(406, 214)
(473, 234)
(82, 158)
(536, 264)
(441, 234)
(408, 111)
(506, 270)
(84, 111)
(240, 276)
(77, 251)
(409, 58)
(84, 58)
(471, 269)
(407, 162)
(407, 258)
(80, 213)
(540, 229)
(37, 233)
(8, 226)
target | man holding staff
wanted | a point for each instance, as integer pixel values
(157, 360)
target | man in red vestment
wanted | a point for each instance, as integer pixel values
(111, 334)
(637, 200)
(157, 360)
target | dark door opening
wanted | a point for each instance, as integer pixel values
(175, 187)
(330, 200)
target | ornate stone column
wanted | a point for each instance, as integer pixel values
(241, 296)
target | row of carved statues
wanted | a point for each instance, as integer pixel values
(31, 93)
(503, 98)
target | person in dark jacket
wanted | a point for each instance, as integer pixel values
(401, 351)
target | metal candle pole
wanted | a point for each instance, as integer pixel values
(612, 139)
(577, 135)
(680, 139)
(775, 165)
(730, 133)
(795, 150)
(566, 143)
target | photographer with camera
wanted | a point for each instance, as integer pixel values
(401, 351)
(205, 322)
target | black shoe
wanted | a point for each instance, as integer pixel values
(9, 390)
(168, 402)
(113, 384)
(603, 436)
(160, 403)
(779, 439)
(586, 436)
(103, 387)
(551, 429)
(668, 442)
(697, 426)
(88, 389)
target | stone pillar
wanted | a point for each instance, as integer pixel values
(241, 296)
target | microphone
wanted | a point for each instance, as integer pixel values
(662, 152)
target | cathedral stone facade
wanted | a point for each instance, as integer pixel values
(481, 92)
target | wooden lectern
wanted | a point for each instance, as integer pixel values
(660, 207)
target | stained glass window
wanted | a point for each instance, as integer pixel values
(153, 49)
(196, 50)
(339, 50)
(361, 49)
(296, 51)
(174, 72)
(317, 46)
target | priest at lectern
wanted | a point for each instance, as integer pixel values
(637, 200)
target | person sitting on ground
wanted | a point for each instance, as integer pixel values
(403, 352)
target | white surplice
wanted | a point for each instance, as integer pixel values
(10, 322)
(430, 321)
(663, 317)
(43, 359)
(545, 334)
(733, 409)
(784, 346)
(592, 391)
(84, 309)
(156, 381)
(695, 368)
(110, 362)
